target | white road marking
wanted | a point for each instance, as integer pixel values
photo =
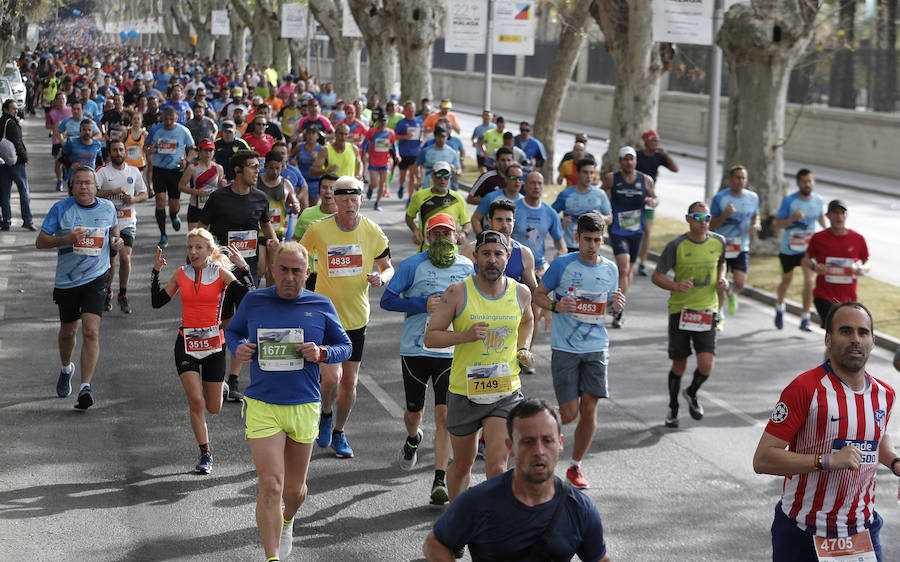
(5, 258)
(2, 311)
(8, 239)
(731, 409)
(383, 398)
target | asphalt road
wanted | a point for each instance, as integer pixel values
(114, 483)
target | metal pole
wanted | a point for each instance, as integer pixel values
(489, 56)
(715, 99)
(310, 29)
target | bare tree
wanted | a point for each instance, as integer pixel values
(761, 43)
(417, 24)
(884, 90)
(640, 64)
(201, 19)
(345, 72)
(573, 16)
(841, 92)
(375, 24)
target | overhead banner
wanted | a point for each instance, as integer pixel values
(220, 25)
(466, 29)
(348, 25)
(293, 21)
(683, 21)
(513, 27)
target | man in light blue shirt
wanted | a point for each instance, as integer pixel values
(735, 215)
(440, 151)
(579, 199)
(797, 215)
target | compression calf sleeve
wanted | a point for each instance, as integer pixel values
(674, 389)
(699, 379)
(161, 221)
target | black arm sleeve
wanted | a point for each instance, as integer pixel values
(158, 295)
(235, 292)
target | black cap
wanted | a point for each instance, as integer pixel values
(837, 203)
(491, 237)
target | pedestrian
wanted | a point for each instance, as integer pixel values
(14, 173)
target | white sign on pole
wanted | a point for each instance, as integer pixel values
(678, 21)
(513, 27)
(466, 29)
(32, 35)
(219, 24)
(293, 21)
(348, 25)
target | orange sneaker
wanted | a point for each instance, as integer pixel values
(576, 477)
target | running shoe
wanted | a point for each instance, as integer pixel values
(480, 453)
(377, 206)
(163, 241)
(324, 438)
(720, 323)
(224, 392)
(732, 304)
(369, 193)
(234, 393)
(400, 192)
(618, 320)
(779, 319)
(576, 477)
(123, 304)
(59, 186)
(205, 464)
(107, 305)
(409, 454)
(340, 445)
(85, 399)
(176, 223)
(64, 382)
(4, 227)
(694, 405)
(642, 271)
(386, 192)
(439, 495)
(672, 418)
(286, 544)
(804, 325)
(30, 227)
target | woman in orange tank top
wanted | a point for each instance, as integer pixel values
(207, 287)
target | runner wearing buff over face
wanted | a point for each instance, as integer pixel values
(492, 326)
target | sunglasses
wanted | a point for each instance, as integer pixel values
(516, 178)
(701, 217)
(254, 165)
(525, 130)
(442, 175)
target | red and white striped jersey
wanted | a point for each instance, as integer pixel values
(818, 413)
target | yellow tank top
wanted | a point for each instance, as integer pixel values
(134, 150)
(499, 346)
(346, 160)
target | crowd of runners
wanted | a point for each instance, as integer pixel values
(280, 259)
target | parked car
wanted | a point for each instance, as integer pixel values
(14, 77)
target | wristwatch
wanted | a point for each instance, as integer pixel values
(323, 354)
(553, 306)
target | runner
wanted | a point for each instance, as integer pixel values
(282, 200)
(56, 114)
(491, 317)
(487, 123)
(735, 215)
(491, 180)
(340, 157)
(580, 199)
(81, 228)
(440, 151)
(648, 162)
(306, 153)
(380, 156)
(698, 259)
(227, 145)
(199, 180)
(409, 144)
(437, 199)
(583, 285)
(797, 215)
(512, 191)
(122, 184)
(200, 346)
(416, 290)
(325, 208)
(283, 399)
(168, 150)
(292, 174)
(349, 244)
(629, 192)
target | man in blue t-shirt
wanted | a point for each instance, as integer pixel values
(797, 215)
(284, 332)
(83, 229)
(416, 289)
(83, 151)
(505, 517)
(486, 125)
(580, 199)
(577, 289)
(735, 215)
(409, 144)
(167, 146)
(440, 151)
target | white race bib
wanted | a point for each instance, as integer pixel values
(799, 240)
(166, 147)
(590, 308)
(345, 260)
(732, 248)
(695, 320)
(486, 384)
(123, 213)
(202, 342)
(382, 144)
(133, 152)
(244, 241)
(275, 216)
(855, 548)
(277, 349)
(92, 244)
(630, 220)
(839, 270)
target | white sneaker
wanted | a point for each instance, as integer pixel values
(287, 541)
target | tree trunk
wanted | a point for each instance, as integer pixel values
(201, 18)
(416, 24)
(761, 45)
(263, 35)
(239, 19)
(345, 72)
(183, 27)
(573, 20)
(841, 92)
(375, 24)
(298, 55)
(884, 90)
(640, 64)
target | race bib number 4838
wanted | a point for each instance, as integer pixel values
(345, 260)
